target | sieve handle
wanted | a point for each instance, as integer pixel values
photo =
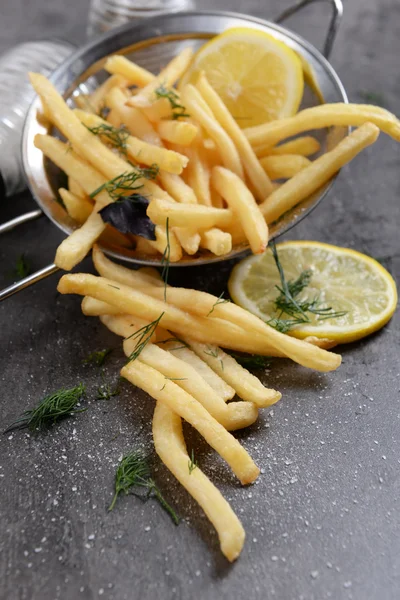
(337, 13)
(27, 281)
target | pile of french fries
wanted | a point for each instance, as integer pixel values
(181, 364)
(218, 186)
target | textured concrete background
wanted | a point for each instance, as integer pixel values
(323, 520)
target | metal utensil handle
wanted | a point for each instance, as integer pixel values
(337, 13)
(27, 281)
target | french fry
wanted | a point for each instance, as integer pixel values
(119, 65)
(201, 112)
(140, 151)
(78, 209)
(198, 175)
(284, 166)
(97, 98)
(317, 173)
(188, 215)
(207, 330)
(167, 77)
(96, 308)
(163, 390)
(124, 325)
(75, 188)
(177, 188)
(84, 142)
(144, 247)
(163, 241)
(247, 386)
(304, 146)
(244, 207)
(319, 117)
(76, 246)
(232, 416)
(154, 274)
(170, 446)
(135, 121)
(216, 241)
(257, 176)
(177, 132)
(156, 112)
(189, 239)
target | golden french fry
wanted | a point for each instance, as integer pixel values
(187, 407)
(284, 166)
(317, 173)
(124, 325)
(96, 99)
(179, 349)
(156, 112)
(119, 65)
(76, 188)
(211, 330)
(232, 416)
(167, 77)
(144, 247)
(216, 199)
(135, 121)
(201, 112)
(79, 209)
(252, 167)
(140, 151)
(189, 239)
(84, 142)
(96, 308)
(155, 275)
(177, 132)
(177, 188)
(216, 241)
(170, 446)
(319, 117)
(188, 215)
(304, 146)
(164, 241)
(244, 207)
(198, 175)
(325, 343)
(247, 386)
(74, 249)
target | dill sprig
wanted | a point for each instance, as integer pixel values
(133, 470)
(125, 182)
(178, 110)
(192, 463)
(174, 339)
(165, 260)
(117, 136)
(287, 302)
(98, 357)
(143, 336)
(52, 408)
(220, 300)
(172, 379)
(251, 361)
(22, 267)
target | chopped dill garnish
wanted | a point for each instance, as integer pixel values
(143, 336)
(52, 408)
(117, 136)
(174, 339)
(251, 361)
(165, 260)
(287, 303)
(220, 300)
(192, 463)
(22, 267)
(126, 182)
(173, 379)
(178, 110)
(214, 354)
(105, 391)
(113, 286)
(98, 357)
(133, 470)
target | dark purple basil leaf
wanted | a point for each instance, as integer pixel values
(128, 215)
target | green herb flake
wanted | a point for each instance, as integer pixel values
(98, 357)
(178, 110)
(143, 336)
(22, 267)
(192, 463)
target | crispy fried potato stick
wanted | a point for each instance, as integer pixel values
(243, 205)
(78, 209)
(189, 239)
(236, 415)
(187, 407)
(76, 188)
(319, 117)
(177, 132)
(284, 166)
(119, 65)
(216, 241)
(317, 173)
(198, 175)
(194, 216)
(164, 241)
(177, 188)
(77, 245)
(96, 308)
(304, 146)
(140, 151)
(201, 112)
(170, 446)
(207, 330)
(247, 386)
(95, 100)
(252, 167)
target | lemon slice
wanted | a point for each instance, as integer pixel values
(343, 279)
(258, 77)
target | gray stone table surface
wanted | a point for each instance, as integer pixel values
(323, 521)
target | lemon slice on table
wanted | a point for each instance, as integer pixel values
(258, 77)
(340, 278)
